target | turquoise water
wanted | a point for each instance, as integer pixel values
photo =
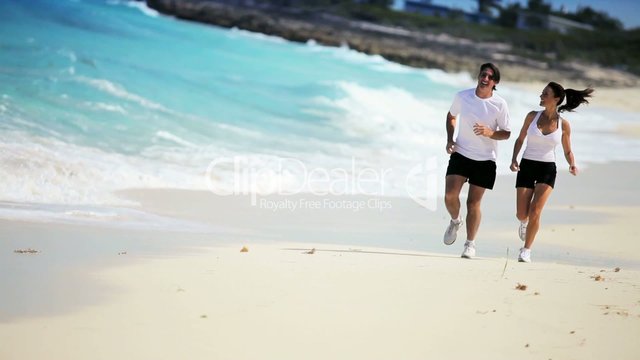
(98, 96)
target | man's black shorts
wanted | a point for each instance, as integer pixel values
(533, 172)
(479, 173)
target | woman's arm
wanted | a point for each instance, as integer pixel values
(566, 146)
(520, 140)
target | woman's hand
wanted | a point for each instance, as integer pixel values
(573, 170)
(514, 166)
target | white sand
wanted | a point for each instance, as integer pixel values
(277, 302)
(274, 303)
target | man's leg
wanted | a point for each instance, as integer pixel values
(474, 214)
(452, 201)
(453, 187)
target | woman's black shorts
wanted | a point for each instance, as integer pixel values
(534, 172)
(479, 173)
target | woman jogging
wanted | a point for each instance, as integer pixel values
(544, 130)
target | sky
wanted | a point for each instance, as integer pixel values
(627, 11)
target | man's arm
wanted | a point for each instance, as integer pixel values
(451, 127)
(500, 135)
(482, 130)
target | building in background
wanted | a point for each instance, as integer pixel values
(426, 7)
(528, 20)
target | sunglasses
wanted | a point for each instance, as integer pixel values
(484, 73)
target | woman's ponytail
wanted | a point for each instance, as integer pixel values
(575, 98)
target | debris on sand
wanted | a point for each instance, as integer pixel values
(244, 249)
(311, 252)
(26, 251)
(521, 287)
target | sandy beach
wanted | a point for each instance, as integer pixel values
(283, 303)
(328, 283)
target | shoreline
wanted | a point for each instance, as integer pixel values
(418, 49)
(382, 222)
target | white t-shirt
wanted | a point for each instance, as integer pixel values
(469, 109)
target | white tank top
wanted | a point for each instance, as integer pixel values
(542, 147)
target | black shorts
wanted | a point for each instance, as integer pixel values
(479, 173)
(534, 172)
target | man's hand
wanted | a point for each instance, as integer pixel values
(482, 130)
(451, 147)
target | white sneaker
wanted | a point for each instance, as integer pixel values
(469, 250)
(522, 231)
(452, 232)
(525, 255)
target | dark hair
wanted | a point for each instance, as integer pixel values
(575, 98)
(496, 72)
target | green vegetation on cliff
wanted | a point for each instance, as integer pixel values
(608, 45)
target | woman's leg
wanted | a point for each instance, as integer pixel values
(523, 202)
(541, 194)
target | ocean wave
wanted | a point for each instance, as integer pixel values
(374, 62)
(385, 116)
(165, 135)
(140, 5)
(46, 170)
(16, 118)
(120, 92)
(391, 67)
(244, 132)
(399, 128)
(118, 217)
(69, 54)
(100, 106)
(92, 214)
(49, 171)
(234, 31)
(459, 80)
